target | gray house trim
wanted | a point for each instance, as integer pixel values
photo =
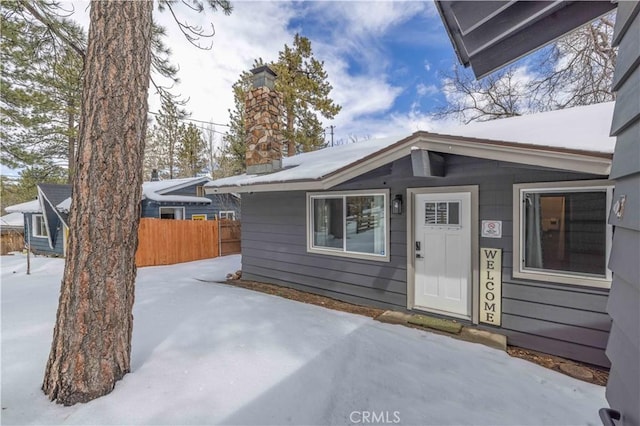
(475, 247)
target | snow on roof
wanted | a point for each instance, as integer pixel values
(313, 165)
(154, 190)
(581, 128)
(12, 220)
(32, 206)
(65, 205)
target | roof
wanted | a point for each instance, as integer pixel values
(32, 206)
(152, 190)
(574, 139)
(155, 190)
(12, 220)
(487, 35)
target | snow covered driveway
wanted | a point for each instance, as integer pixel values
(206, 353)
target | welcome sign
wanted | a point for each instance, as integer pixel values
(490, 286)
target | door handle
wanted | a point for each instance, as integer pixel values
(418, 256)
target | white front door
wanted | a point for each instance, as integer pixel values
(443, 253)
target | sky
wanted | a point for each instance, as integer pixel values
(383, 58)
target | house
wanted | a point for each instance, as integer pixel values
(413, 223)
(47, 224)
(516, 29)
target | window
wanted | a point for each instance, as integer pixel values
(442, 213)
(200, 191)
(198, 217)
(39, 226)
(348, 224)
(231, 215)
(172, 213)
(563, 233)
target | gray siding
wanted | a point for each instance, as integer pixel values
(40, 245)
(623, 349)
(565, 320)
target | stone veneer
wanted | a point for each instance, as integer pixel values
(264, 133)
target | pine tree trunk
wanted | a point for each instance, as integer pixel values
(92, 337)
(71, 148)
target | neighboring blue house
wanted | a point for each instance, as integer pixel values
(46, 219)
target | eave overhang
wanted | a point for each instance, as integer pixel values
(533, 155)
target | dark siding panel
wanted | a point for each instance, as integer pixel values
(561, 348)
(630, 188)
(625, 254)
(621, 398)
(628, 53)
(624, 308)
(331, 288)
(617, 341)
(564, 332)
(627, 109)
(627, 10)
(558, 314)
(585, 300)
(626, 160)
(398, 273)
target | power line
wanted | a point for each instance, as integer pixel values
(194, 120)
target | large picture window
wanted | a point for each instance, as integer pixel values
(563, 233)
(349, 224)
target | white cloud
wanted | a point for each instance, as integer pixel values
(426, 90)
(260, 29)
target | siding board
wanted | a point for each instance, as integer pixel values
(627, 109)
(628, 57)
(557, 314)
(329, 287)
(622, 399)
(625, 254)
(583, 301)
(595, 356)
(564, 332)
(631, 217)
(624, 308)
(631, 378)
(626, 160)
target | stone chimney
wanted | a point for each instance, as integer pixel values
(263, 122)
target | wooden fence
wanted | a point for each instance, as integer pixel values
(11, 240)
(229, 237)
(165, 242)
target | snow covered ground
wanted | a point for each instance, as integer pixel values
(206, 353)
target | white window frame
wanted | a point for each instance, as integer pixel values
(227, 213)
(174, 208)
(343, 252)
(575, 278)
(36, 231)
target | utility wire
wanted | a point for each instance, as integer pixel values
(194, 120)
